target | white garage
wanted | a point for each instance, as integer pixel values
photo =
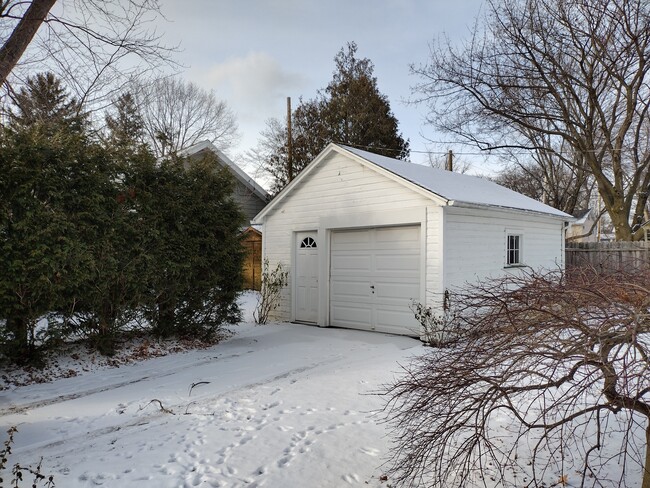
(364, 236)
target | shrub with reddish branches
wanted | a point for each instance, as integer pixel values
(546, 382)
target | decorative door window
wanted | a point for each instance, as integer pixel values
(308, 243)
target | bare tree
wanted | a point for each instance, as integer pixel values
(269, 157)
(564, 78)
(16, 43)
(178, 114)
(548, 181)
(545, 379)
(94, 46)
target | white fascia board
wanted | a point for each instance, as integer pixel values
(259, 218)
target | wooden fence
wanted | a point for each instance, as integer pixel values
(608, 257)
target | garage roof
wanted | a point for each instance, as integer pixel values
(454, 188)
(458, 188)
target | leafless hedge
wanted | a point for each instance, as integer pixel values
(545, 381)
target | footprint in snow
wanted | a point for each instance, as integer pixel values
(283, 462)
(370, 451)
(351, 478)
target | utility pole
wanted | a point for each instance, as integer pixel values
(289, 142)
(449, 164)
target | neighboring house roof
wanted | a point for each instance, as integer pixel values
(453, 188)
(581, 216)
(239, 173)
(252, 229)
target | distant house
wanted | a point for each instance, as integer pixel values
(364, 235)
(583, 224)
(250, 196)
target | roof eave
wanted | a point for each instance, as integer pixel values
(458, 203)
(259, 218)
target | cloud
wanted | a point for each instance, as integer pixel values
(256, 80)
(255, 87)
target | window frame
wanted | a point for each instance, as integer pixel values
(515, 251)
(308, 243)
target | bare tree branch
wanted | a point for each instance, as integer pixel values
(178, 114)
(95, 47)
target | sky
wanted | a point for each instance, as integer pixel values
(254, 53)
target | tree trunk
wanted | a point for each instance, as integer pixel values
(646, 466)
(22, 35)
(166, 316)
(105, 340)
(616, 208)
(20, 350)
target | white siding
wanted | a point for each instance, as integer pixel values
(434, 256)
(342, 193)
(474, 246)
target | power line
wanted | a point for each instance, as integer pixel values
(484, 152)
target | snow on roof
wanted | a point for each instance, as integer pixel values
(456, 188)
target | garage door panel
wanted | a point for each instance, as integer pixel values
(350, 263)
(351, 240)
(397, 291)
(351, 316)
(347, 290)
(406, 264)
(396, 322)
(374, 276)
(397, 238)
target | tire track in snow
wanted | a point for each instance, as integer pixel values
(141, 421)
(25, 407)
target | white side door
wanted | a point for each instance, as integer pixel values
(306, 279)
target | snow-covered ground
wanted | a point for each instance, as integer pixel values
(280, 405)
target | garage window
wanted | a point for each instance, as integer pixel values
(513, 250)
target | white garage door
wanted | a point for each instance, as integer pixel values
(374, 275)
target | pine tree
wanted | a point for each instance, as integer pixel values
(196, 253)
(39, 254)
(125, 126)
(57, 199)
(354, 112)
(351, 110)
(45, 104)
